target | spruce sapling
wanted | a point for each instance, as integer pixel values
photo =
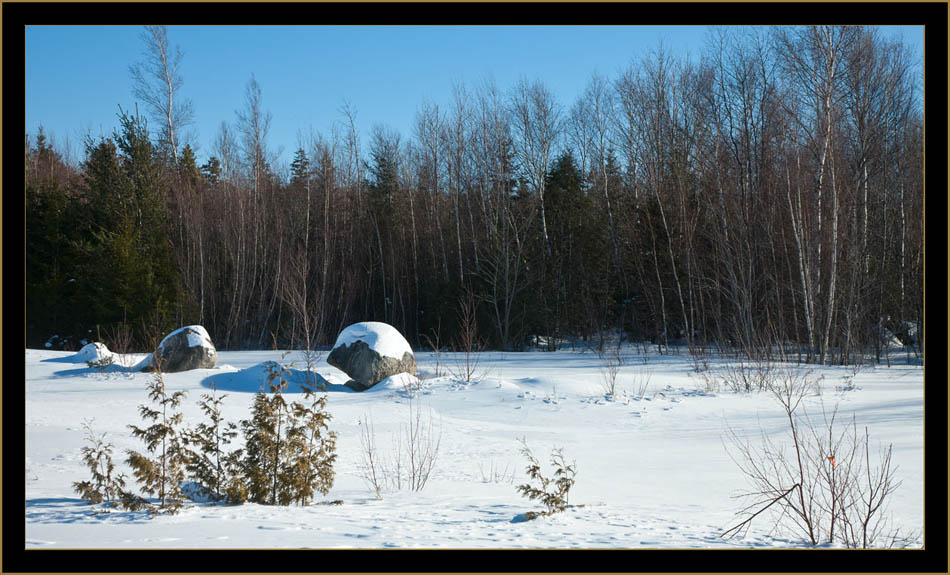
(553, 491)
(209, 463)
(164, 475)
(313, 448)
(266, 450)
(97, 455)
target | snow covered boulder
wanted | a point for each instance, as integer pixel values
(93, 353)
(371, 351)
(189, 347)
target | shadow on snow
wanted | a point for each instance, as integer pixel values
(255, 378)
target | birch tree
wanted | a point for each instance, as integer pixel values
(157, 82)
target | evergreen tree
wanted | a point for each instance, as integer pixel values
(300, 169)
(553, 491)
(313, 448)
(163, 475)
(211, 170)
(50, 261)
(106, 485)
(579, 246)
(266, 450)
(188, 167)
(213, 468)
(126, 268)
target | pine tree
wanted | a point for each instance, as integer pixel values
(97, 455)
(164, 475)
(213, 468)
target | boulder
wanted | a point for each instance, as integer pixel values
(186, 348)
(369, 352)
(906, 332)
(886, 337)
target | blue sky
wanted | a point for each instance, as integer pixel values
(78, 76)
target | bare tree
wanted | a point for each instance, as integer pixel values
(373, 469)
(611, 362)
(157, 82)
(467, 340)
(422, 440)
(600, 107)
(429, 128)
(813, 57)
(823, 485)
(456, 137)
(503, 253)
(537, 123)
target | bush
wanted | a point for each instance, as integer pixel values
(822, 484)
(611, 361)
(413, 457)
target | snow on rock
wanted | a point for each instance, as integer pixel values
(197, 336)
(382, 338)
(92, 352)
(371, 351)
(186, 348)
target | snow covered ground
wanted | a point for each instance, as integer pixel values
(652, 471)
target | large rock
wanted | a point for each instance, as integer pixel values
(186, 348)
(906, 332)
(369, 352)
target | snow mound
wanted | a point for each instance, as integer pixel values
(92, 352)
(382, 338)
(398, 382)
(142, 363)
(255, 378)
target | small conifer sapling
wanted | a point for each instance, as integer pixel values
(105, 485)
(553, 491)
(163, 475)
(265, 462)
(313, 448)
(209, 463)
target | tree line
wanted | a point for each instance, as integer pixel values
(766, 195)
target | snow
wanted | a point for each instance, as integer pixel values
(92, 352)
(653, 471)
(197, 336)
(382, 338)
(397, 382)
